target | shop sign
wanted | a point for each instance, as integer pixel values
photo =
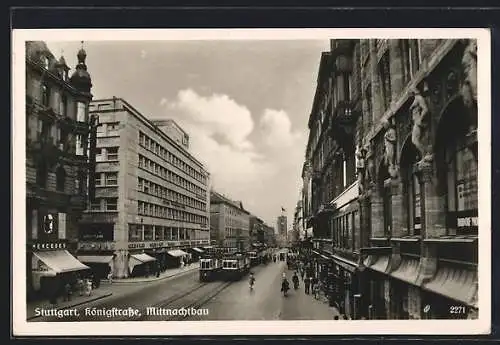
(467, 222)
(48, 245)
(155, 245)
(96, 245)
(136, 245)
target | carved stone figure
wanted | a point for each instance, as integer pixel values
(419, 111)
(370, 164)
(469, 64)
(390, 148)
(360, 167)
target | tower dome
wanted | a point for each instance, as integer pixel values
(81, 78)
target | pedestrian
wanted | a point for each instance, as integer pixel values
(336, 317)
(302, 273)
(307, 285)
(110, 277)
(67, 292)
(80, 285)
(88, 287)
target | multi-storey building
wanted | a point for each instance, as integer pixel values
(298, 221)
(281, 225)
(229, 222)
(58, 132)
(269, 236)
(152, 198)
(403, 235)
(256, 230)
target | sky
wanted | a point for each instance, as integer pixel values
(245, 105)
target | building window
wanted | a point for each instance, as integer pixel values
(41, 175)
(462, 190)
(112, 128)
(415, 201)
(79, 151)
(62, 137)
(411, 58)
(45, 95)
(63, 105)
(111, 179)
(387, 205)
(80, 112)
(96, 205)
(111, 204)
(385, 79)
(112, 153)
(98, 180)
(134, 232)
(60, 179)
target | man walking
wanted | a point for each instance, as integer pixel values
(307, 284)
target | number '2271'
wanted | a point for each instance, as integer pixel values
(457, 309)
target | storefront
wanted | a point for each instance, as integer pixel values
(52, 269)
(176, 258)
(380, 294)
(140, 264)
(101, 265)
(403, 280)
(196, 253)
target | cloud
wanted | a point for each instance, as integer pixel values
(143, 54)
(277, 129)
(261, 173)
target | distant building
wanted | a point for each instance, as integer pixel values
(256, 230)
(151, 194)
(229, 222)
(281, 226)
(58, 137)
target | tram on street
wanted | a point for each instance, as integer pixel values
(235, 266)
(254, 257)
(210, 267)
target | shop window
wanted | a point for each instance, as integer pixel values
(462, 189)
(111, 204)
(60, 179)
(134, 233)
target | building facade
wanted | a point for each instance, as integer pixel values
(281, 225)
(269, 236)
(256, 230)
(151, 194)
(230, 222)
(396, 223)
(58, 136)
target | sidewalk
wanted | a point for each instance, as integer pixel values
(164, 275)
(101, 292)
(105, 290)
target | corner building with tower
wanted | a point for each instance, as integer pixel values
(151, 206)
(58, 142)
(390, 178)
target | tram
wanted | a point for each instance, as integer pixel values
(235, 266)
(254, 257)
(210, 267)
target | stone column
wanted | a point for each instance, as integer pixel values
(377, 216)
(434, 205)
(397, 208)
(376, 87)
(396, 67)
(364, 221)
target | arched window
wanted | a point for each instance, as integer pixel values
(60, 179)
(458, 175)
(413, 189)
(386, 193)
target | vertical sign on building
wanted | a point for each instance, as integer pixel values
(62, 226)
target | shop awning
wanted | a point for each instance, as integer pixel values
(381, 264)
(60, 261)
(96, 259)
(196, 249)
(177, 253)
(142, 257)
(348, 266)
(407, 271)
(456, 283)
(321, 255)
(139, 259)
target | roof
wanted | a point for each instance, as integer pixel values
(217, 198)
